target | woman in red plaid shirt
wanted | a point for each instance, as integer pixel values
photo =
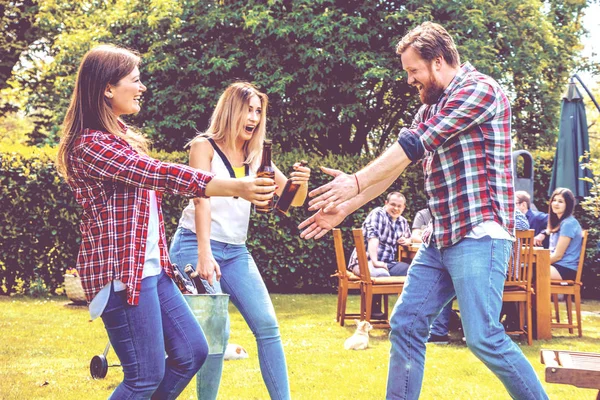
(123, 259)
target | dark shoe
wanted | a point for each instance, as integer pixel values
(378, 315)
(438, 339)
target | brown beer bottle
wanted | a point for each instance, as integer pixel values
(266, 170)
(288, 193)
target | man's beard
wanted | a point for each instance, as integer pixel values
(431, 92)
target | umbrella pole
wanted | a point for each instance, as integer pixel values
(587, 90)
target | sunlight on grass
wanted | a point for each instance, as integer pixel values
(46, 347)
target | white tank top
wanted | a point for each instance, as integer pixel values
(229, 215)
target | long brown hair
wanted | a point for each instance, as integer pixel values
(89, 108)
(553, 220)
(229, 118)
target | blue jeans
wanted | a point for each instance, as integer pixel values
(161, 323)
(440, 324)
(240, 279)
(474, 270)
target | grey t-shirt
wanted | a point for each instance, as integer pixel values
(422, 219)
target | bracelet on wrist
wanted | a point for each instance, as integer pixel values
(357, 184)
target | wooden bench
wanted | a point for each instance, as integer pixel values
(572, 368)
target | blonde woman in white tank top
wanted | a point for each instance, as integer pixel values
(212, 232)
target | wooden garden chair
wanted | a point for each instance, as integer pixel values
(517, 287)
(571, 289)
(372, 286)
(346, 279)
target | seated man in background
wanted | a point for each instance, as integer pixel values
(538, 221)
(384, 229)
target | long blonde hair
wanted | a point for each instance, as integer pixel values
(89, 108)
(229, 119)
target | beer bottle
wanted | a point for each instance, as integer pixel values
(184, 283)
(266, 170)
(288, 193)
(189, 269)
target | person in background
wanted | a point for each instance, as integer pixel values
(384, 229)
(123, 261)
(565, 235)
(212, 232)
(537, 220)
(422, 219)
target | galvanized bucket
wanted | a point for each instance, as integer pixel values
(210, 311)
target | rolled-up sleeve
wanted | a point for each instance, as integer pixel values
(411, 144)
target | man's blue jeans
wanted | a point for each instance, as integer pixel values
(474, 270)
(141, 335)
(240, 279)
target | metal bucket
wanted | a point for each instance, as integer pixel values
(211, 312)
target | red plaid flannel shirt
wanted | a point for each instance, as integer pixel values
(111, 182)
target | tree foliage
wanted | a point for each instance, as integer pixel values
(329, 67)
(17, 23)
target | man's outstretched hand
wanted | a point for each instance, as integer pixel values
(343, 187)
(321, 223)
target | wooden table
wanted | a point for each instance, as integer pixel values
(542, 304)
(542, 309)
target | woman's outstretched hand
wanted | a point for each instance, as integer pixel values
(258, 191)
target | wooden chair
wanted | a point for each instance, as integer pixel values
(346, 279)
(517, 287)
(572, 368)
(371, 286)
(571, 289)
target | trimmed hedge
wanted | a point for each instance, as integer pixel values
(40, 235)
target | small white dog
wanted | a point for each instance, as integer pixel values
(360, 339)
(235, 352)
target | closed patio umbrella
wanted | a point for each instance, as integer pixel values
(573, 142)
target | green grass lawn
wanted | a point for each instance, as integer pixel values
(46, 347)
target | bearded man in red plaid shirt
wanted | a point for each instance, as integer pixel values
(462, 135)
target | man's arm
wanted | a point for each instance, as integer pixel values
(363, 186)
(469, 106)
(372, 247)
(323, 221)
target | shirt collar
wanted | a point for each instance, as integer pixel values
(458, 78)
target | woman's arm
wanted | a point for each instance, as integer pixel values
(201, 154)
(561, 247)
(102, 156)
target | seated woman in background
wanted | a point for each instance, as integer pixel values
(565, 235)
